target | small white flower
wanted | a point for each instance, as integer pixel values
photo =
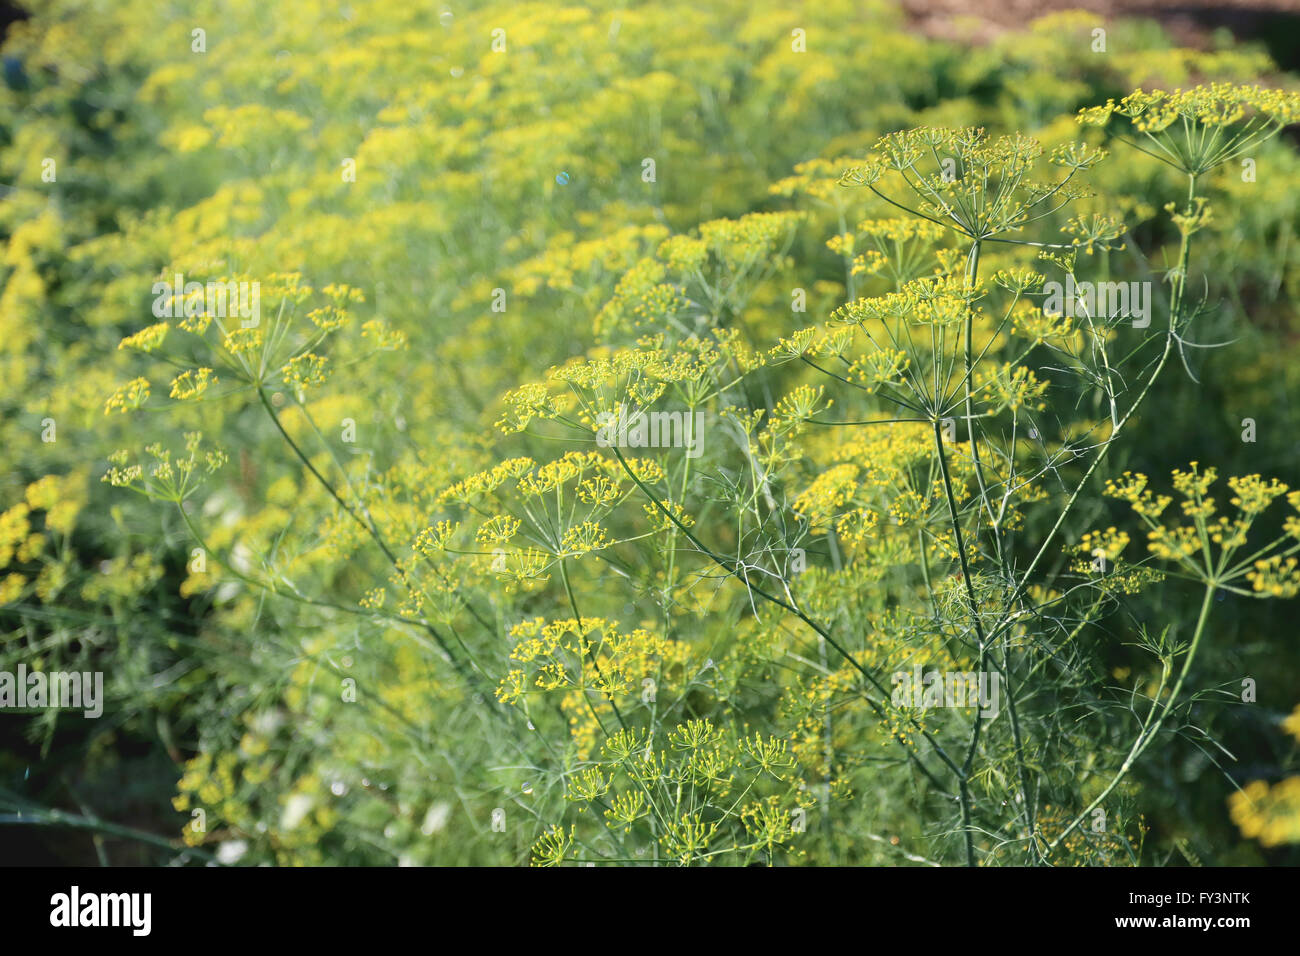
(436, 818)
(231, 851)
(295, 808)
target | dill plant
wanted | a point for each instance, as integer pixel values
(944, 345)
(696, 662)
(642, 657)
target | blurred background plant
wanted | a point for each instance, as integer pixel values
(441, 204)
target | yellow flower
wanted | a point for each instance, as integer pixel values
(146, 340)
(130, 396)
(1268, 814)
(192, 383)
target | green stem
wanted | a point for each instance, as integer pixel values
(1148, 734)
(370, 529)
(973, 605)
